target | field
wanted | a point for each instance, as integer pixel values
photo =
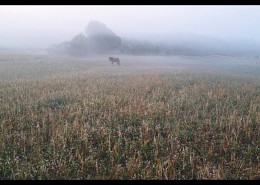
(179, 117)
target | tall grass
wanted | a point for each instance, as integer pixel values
(128, 123)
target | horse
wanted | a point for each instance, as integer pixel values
(112, 59)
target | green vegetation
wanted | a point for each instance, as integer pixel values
(76, 118)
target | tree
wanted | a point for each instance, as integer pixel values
(101, 39)
(79, 45)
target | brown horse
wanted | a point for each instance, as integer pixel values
(112, 59)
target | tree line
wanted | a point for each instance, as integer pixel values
(99, 39)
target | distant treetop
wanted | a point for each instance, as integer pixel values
(97, 28)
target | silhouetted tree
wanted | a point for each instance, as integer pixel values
(79, 45)
(101, 39)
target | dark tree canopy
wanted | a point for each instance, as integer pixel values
(97, 28)
(104, 43)
(101, 38)
(79, 44)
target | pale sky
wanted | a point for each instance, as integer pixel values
(43, 25)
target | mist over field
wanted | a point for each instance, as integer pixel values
(218, 28)
(129, 92)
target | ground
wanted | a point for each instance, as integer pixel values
(152, 117)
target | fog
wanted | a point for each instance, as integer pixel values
(38, 27)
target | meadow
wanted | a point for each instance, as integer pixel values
(178, 117)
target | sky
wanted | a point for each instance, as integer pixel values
(43, 25)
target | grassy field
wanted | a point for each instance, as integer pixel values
(150, 118)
